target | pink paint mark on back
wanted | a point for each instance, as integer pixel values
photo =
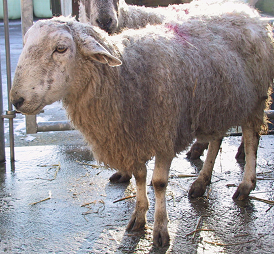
(182, 35)
(177, 30)
(178, 9)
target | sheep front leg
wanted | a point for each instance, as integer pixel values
(138, 218)
(198, 187)
(251, 142)
(159, 181)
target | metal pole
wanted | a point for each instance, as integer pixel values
(54, 126)
(2, 133)
(8, 65)
(66, 125)
(27, 21)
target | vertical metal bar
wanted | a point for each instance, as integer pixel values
(7, 47)
(2, 133)
(27, 21)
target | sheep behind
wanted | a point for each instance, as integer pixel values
(171, 87)
(115, 15)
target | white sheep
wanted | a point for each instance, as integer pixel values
(176, 82)
(115, 15)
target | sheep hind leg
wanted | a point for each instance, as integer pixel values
(159, 181)
(198, 187)
(120, 177)
(240, 156)
(138, 218)
(196, 150)
(251, 142)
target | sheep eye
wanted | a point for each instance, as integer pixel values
(61, 49)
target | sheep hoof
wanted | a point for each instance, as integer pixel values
(119, 177)
(160, 238)
(196, 150)
(197, 189)
(242, 192)
(137, 221)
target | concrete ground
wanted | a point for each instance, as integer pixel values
(56, 199)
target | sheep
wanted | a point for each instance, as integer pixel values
(149, 92)
(115, 15)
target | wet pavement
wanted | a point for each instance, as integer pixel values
(81, 217)
(56, 199)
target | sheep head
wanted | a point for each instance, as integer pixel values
(102, 13)
(48, 63)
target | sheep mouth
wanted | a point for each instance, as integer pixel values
(29, 111)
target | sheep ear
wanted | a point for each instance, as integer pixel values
(106, 58)
(92, 49)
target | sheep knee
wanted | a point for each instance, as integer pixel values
(159, 185)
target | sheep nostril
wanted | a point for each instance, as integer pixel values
(18, 103)
(104, 24)
(109, 22)
(99, 23)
